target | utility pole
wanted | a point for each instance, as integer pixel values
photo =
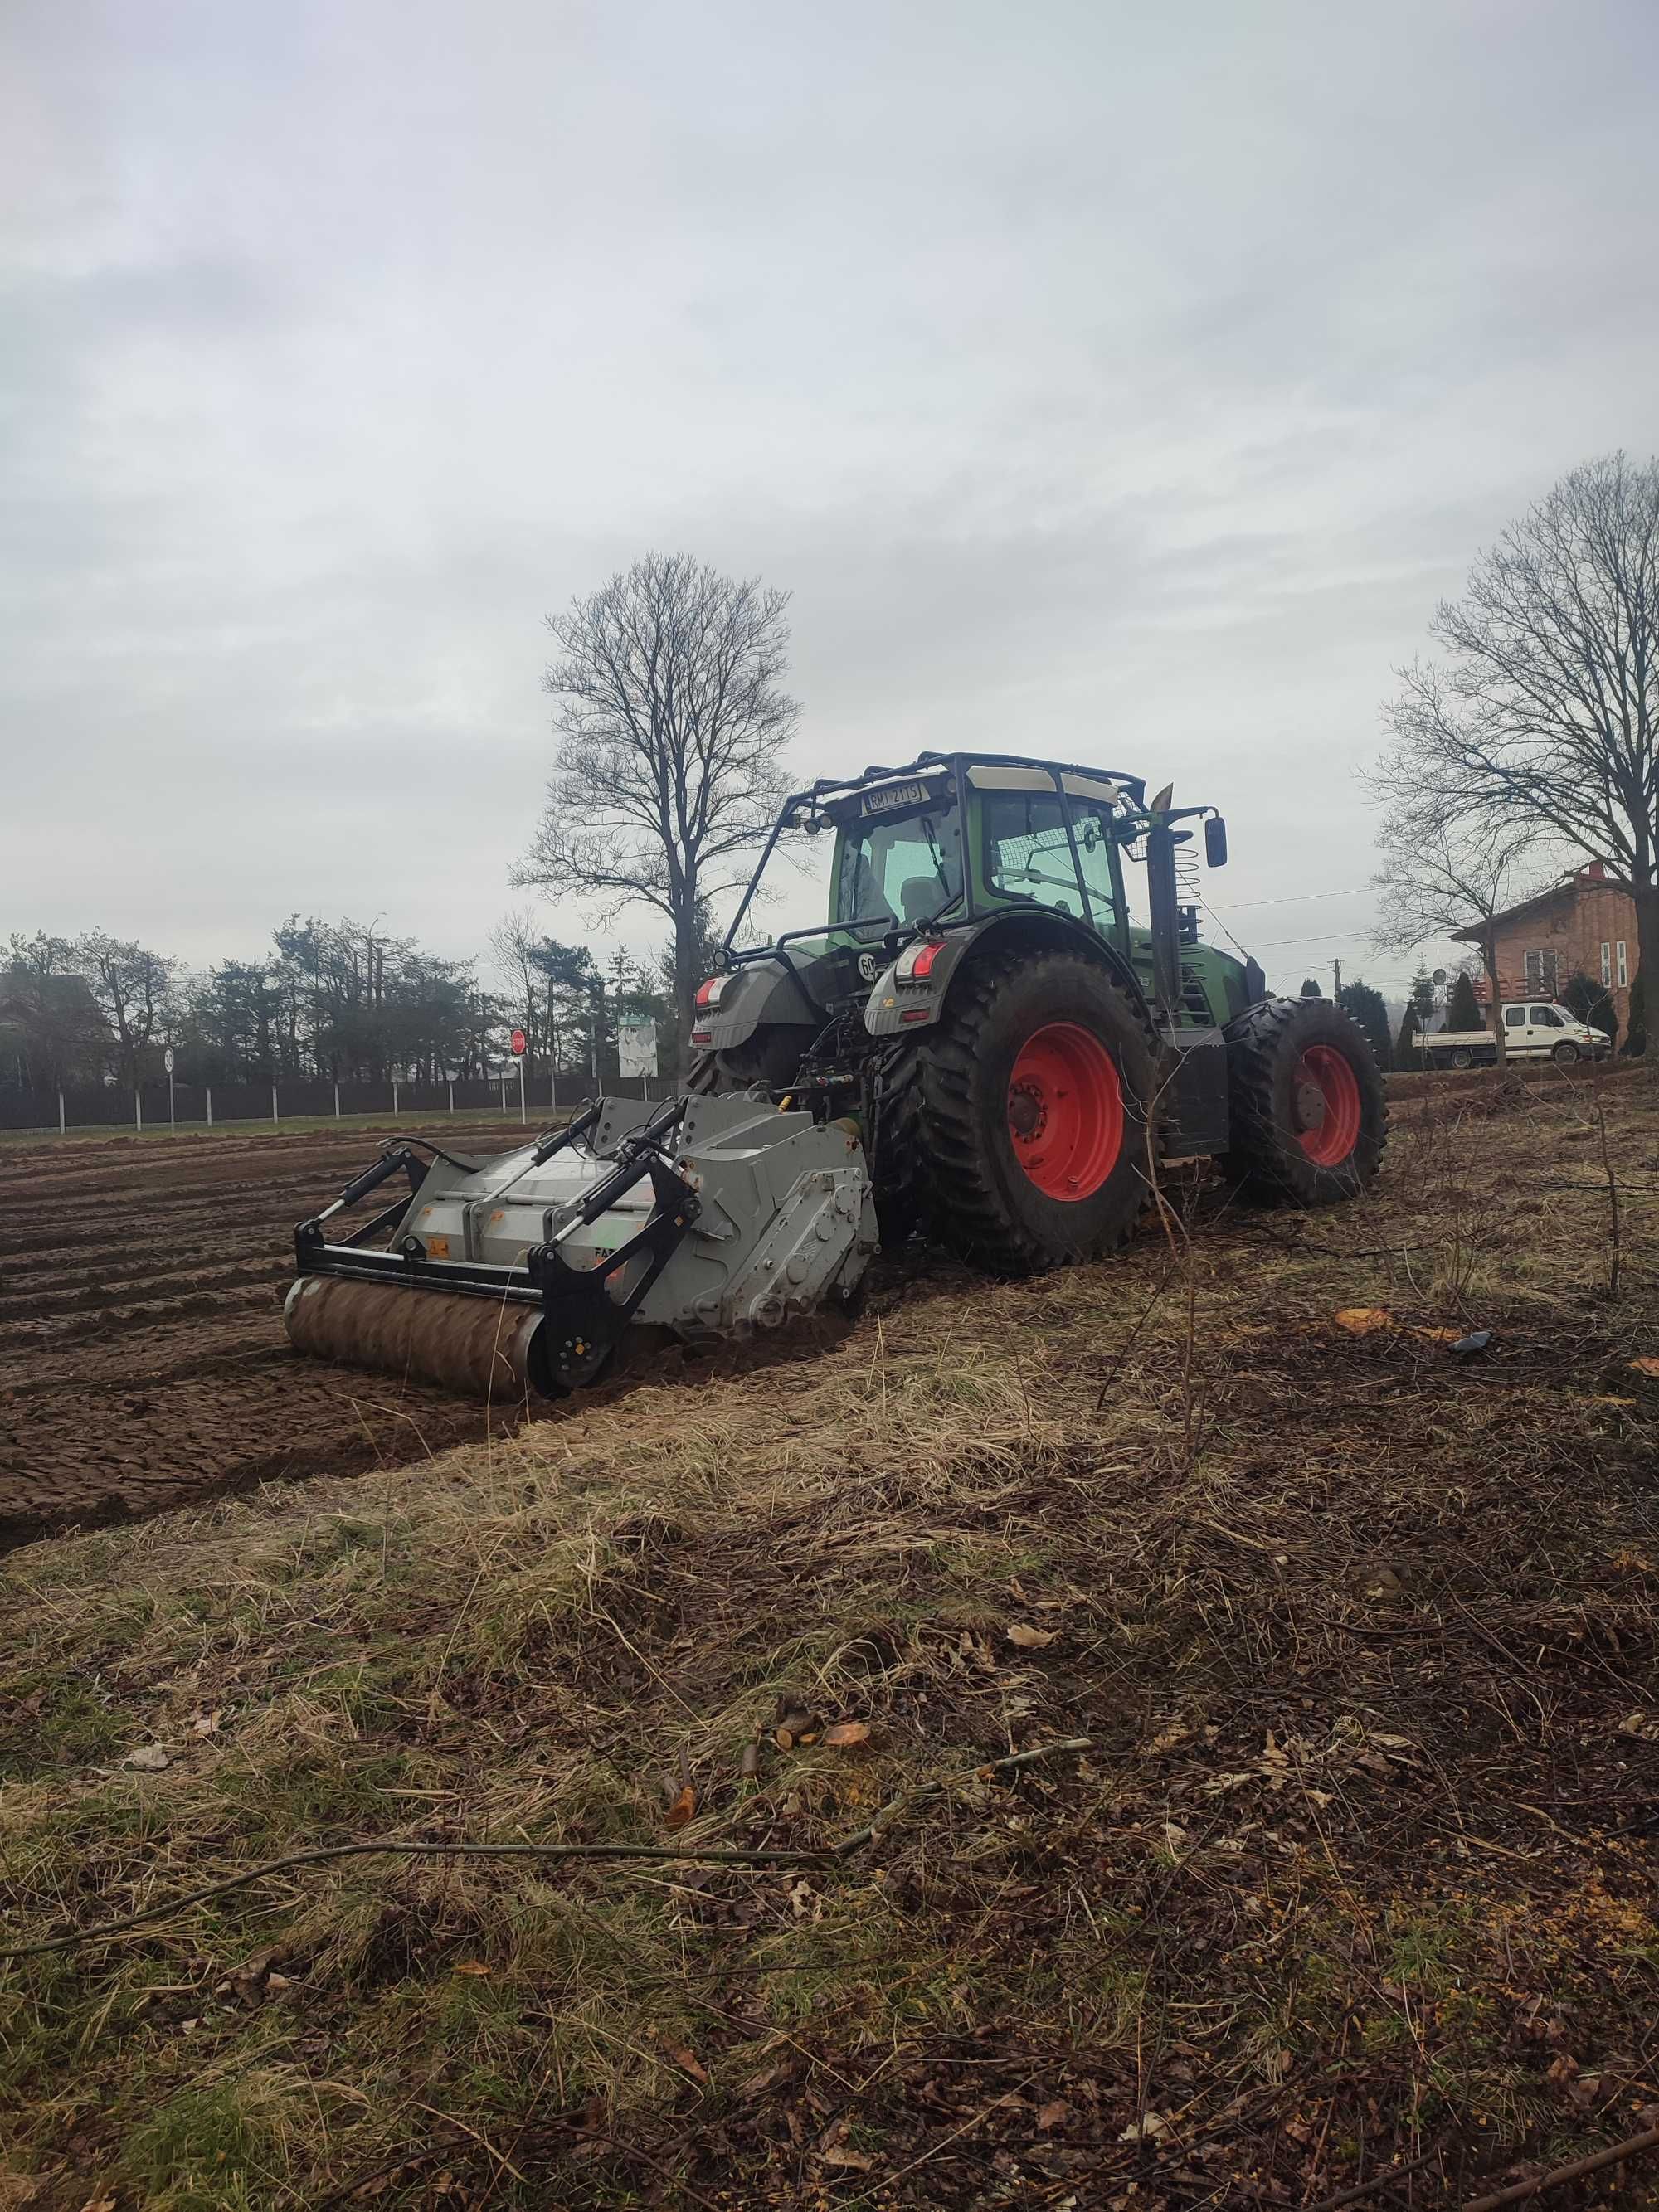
(1336, 970)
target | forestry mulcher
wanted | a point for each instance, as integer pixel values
(1003, 1024)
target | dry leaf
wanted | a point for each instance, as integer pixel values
(150, 1757)
(208, 1724)
(1142, 2130)
(474, 1969)
(845, 1734)
(838, 2155)
(1053, 2116)
(1363, 1321)
(1647, 1364)
(687, 2059)
(685, 1805)
(98, 2204)
(1029, 1638)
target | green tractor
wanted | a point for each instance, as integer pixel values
(1018, 1045)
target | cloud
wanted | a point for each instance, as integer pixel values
(1115, 384)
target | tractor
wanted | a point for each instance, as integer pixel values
(990, 1033)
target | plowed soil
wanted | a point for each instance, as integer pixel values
(143, 1358)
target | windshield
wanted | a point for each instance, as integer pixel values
(899, 871)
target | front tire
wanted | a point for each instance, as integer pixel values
(1309, 1116)
(1031, 1114)
(1565, 1053)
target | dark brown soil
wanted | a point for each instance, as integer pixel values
(143, 1358)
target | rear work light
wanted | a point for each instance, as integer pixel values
(709, 993)
(916, 964)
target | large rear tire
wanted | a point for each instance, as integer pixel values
(1030, 1103)
(1309, 1116)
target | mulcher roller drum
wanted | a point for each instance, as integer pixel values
(480, 1347)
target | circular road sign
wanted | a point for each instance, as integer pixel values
(167, 1061)
(518, 1040)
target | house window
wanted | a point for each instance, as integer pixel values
(1624, 964)
(1606, 965)
(1542, 973)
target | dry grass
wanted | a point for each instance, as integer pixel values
(1363, 1630)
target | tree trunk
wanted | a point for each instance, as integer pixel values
(686, 978)
(1647, 957)
(1489, 961)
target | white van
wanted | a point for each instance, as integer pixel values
(1533, 1029)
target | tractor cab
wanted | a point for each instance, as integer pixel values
(958, 850)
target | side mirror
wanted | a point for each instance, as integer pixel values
(1215, 841)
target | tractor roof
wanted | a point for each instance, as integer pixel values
(830, 787)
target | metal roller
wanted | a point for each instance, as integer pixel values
(480, 1347)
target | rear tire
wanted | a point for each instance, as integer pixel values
(1308, 1116)
(1029, 1143)
(1462, 1057)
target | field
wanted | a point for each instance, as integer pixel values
(1183, 1733)
(142, 1354)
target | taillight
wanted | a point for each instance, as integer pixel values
(915, 964)
(709, 993)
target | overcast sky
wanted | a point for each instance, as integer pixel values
(1118, 382)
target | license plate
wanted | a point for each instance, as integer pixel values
(894, 794)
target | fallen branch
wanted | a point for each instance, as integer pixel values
(826, 1854)
(1614, 2154)
(1356, 2189)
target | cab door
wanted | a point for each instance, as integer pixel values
(1518, 1030)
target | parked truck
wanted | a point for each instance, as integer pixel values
(1534, 1029)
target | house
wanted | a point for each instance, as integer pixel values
(1582, 925)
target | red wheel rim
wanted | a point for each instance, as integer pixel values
(1065, 1111)
(1325, 1105)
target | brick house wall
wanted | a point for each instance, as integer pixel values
(1541, 944)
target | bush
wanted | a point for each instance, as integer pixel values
(1591, 1002)
(1462, 1007)
(1367, 1009)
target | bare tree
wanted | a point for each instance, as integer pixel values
(1440, 879)
(1546, 716)
(133, 987)
(671, 715)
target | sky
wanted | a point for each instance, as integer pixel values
(1117, 383)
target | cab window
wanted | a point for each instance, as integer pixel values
(1091, 827)
(906, 870)
(1545, 1017)
(1027, 855)
(1515, 1017)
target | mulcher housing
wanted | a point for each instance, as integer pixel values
(983, 1038)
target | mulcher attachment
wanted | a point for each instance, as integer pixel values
(709, 1217)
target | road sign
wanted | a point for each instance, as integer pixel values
(518, 1040)
(167, 1061)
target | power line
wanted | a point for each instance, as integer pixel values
(1296, 898)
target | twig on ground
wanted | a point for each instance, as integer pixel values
(1614, 2154)
(826, 1854)
(1357, 2190)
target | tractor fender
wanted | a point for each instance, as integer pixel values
(899, 1004)
(759, 991)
